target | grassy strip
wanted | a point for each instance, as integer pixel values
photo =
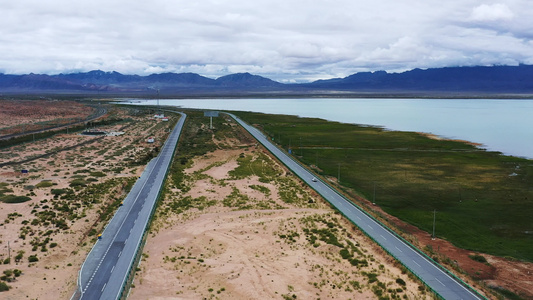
(482, 198)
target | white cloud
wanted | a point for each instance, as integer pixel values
(494, 12)
(289, 40)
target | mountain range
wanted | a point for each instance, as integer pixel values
(516, 80)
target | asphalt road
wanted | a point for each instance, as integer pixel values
(103, 274)
(436, 278)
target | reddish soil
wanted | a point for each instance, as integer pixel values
(24, 115)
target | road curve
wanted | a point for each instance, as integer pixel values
(440, 281)
(105, 271)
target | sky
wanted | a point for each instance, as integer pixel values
(285, 40)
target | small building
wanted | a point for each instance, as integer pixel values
(150, 140)
(165, 119)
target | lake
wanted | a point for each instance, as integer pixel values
(499, 125)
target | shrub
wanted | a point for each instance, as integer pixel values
(33, 258)
(78, 183)
(97, 174)
(44, 184)
(478, 258)
(400, 281)
(14, 199)
(58, 191)
(4, 287)
(345, 253)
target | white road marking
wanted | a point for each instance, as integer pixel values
(398, 249)
(440, 282)
(113, 268)
(417, 264)
(104, 286)
(383, 237)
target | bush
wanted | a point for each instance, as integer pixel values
(345, 253)
(14, 199)
(478, 258)
(97, 174)
(58, 191)
(4, 287)
(78, 182)
(19, 256)
(44, 184)
(33, 258)
(400, 281)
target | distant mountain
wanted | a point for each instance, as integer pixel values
(496, 79)
(247, 80)
(484, 80)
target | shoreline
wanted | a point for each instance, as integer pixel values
(410, 115)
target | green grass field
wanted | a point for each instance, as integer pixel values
(483, 200)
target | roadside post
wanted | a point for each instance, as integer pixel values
(211, 114)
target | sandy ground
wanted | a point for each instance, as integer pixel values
(23, 115)
(55, 273)
(231, 253)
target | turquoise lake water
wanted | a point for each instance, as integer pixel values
(499, 125)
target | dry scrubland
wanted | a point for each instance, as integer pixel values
(65, 199)
(238, 226)
(17, 116)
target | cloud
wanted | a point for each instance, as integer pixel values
(494, 12)
(288, 40)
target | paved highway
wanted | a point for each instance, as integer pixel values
(104, 272)
(436, 278)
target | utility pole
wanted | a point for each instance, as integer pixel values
(433, 235)
(374, 199)
(290, 141)
(159, 108)
(8, 252)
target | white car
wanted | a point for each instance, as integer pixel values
(314, 179)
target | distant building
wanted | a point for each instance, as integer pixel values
(164, 119)
(150, 140)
